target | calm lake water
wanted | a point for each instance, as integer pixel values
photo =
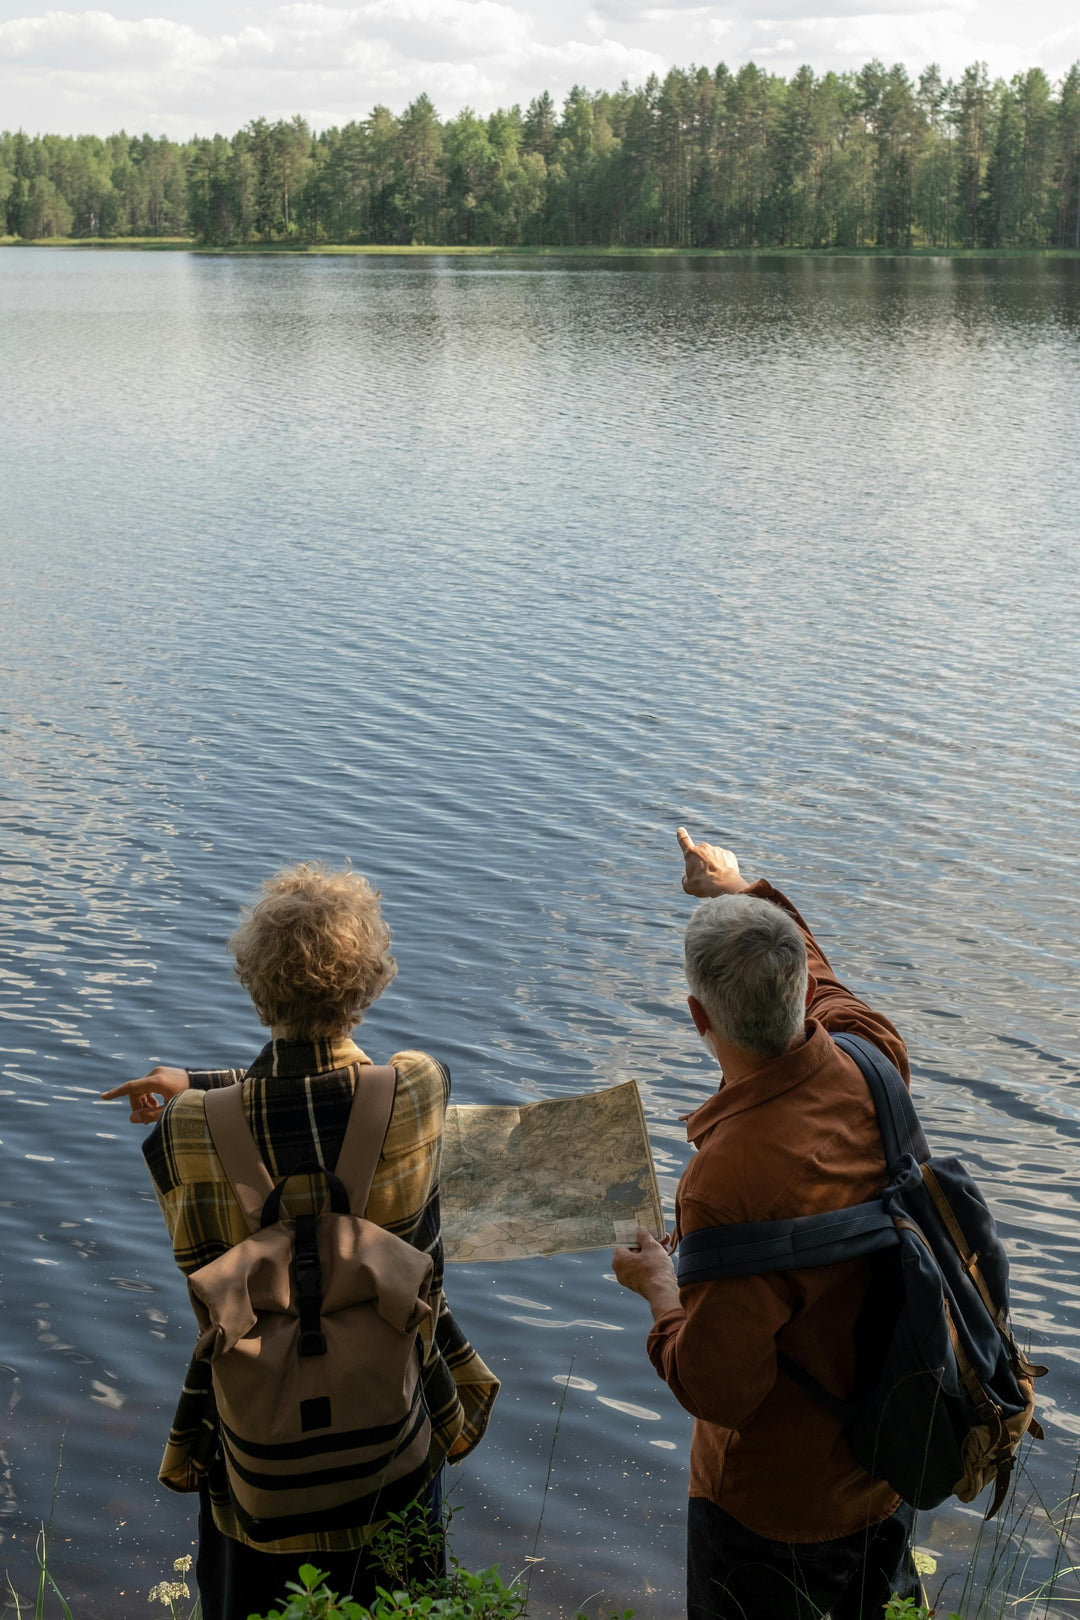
(487, 574)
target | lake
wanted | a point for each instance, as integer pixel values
(487, 573)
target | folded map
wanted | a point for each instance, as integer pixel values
(547, 1177)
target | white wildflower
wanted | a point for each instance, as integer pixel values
(169, 1592)
(182, 1564)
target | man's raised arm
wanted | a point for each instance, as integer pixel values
(710, 870)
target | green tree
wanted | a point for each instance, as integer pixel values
(1034, 219)
(45, 212)
(291, 145)
(212, 209)
(675, 152)
(540, 128)
(793, 195)
(634, 175)
(754, 101)
(513, 208)
(472, 170)
(972, 109)
(1066, 180)
(423, 179)
(899, 132)
(931, 202)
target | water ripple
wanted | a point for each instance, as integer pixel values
(487, 575)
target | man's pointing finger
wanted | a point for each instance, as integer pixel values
(686, 843)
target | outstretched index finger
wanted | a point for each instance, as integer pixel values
(130, 1088)
(686, 843)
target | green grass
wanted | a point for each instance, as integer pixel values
(182, 242)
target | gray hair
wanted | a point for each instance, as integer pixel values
(746, 964)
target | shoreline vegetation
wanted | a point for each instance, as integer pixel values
(705, 160)
(1021, 1566)
(435, 250)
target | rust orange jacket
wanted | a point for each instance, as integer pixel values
(797, 1136)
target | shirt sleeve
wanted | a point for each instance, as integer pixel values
(210, 1079)
(716, 1351)
(175, 1157)
(834, 1005)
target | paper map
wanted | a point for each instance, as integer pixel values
(547, 1177)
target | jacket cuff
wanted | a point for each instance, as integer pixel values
(665, 1328)
(210, 1079)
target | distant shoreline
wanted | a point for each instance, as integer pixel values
(179, 244)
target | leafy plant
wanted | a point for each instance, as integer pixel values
(407, 1550)
(410, 1547)
(460, 1596)
(908, 1608)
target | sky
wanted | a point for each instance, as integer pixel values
(183, 67)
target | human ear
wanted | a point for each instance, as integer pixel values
(699, 1015)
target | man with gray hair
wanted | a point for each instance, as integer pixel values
(783, 1523)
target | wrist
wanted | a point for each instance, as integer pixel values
(725, 883)
(664, 1299)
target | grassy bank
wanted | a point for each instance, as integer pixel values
(182, 244)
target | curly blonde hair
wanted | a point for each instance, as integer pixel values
(314, 952)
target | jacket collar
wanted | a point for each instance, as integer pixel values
(295, 1060)
(772, 1079)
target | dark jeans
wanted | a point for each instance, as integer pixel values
(732, 1574)
(236, 1580)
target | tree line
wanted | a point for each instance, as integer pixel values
(699, 159)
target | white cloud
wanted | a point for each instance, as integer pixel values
(629, 11)
(812, 12)
(1064, 43)
(668, 14)
(205, 64)
(332, 63)
(95, 39)
(849, 41)
(455, 30)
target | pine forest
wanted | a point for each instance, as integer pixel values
(703, 159)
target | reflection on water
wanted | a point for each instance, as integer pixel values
(487, 575)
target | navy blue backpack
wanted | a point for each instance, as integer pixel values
(943, 1395)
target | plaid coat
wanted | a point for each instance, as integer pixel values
(297, 1097)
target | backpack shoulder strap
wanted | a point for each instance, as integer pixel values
(757, 1247)
(901, 1132)
(365, 1134)
(230, 1132)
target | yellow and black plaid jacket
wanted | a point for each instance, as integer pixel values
(297, 1097)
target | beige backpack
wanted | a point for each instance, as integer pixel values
(310, 1327)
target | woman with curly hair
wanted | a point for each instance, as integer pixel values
(313, 953)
